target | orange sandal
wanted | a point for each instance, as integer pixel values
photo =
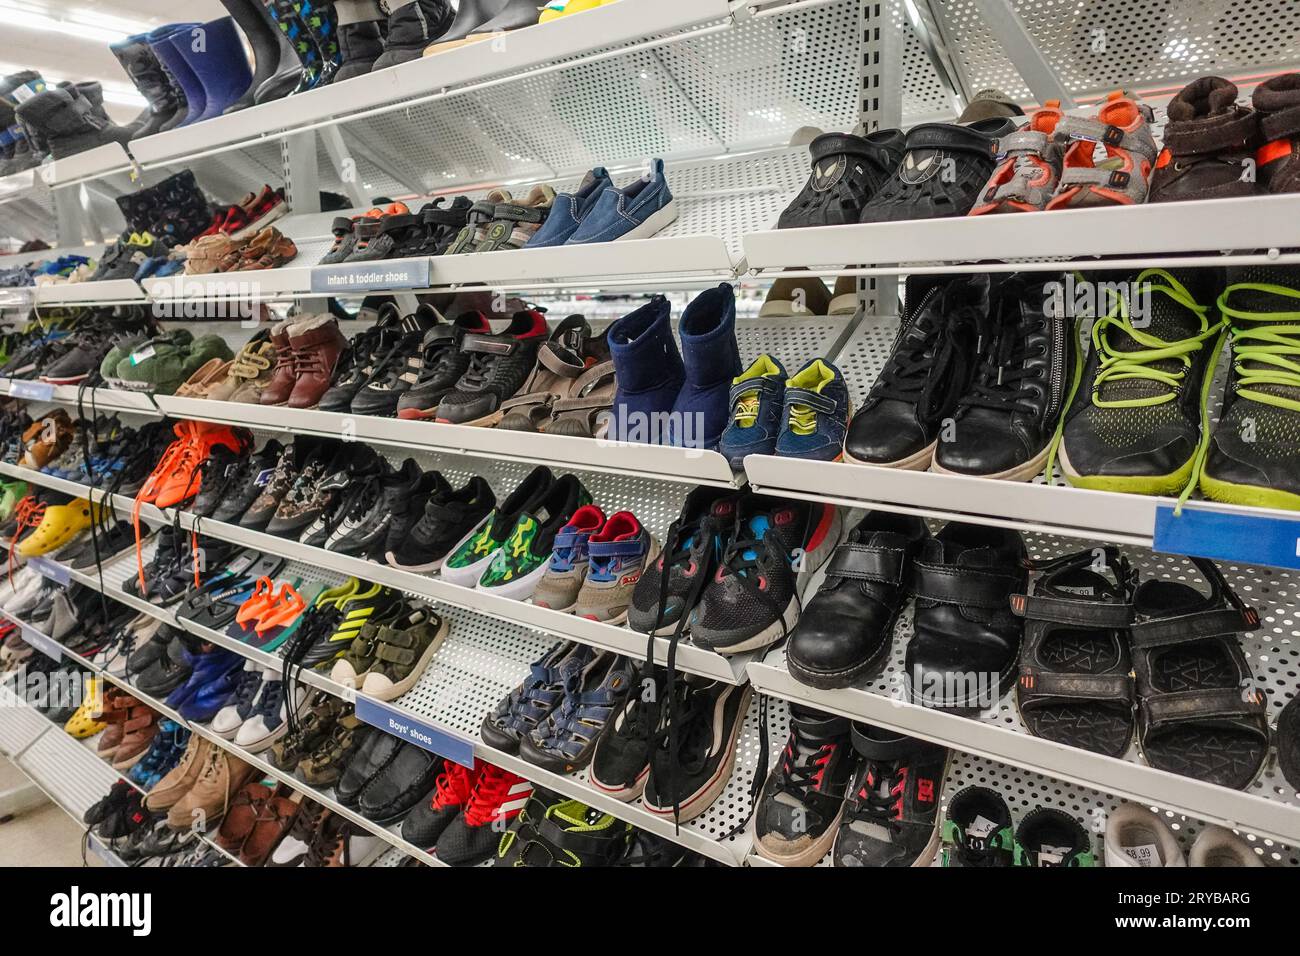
(1121, 179)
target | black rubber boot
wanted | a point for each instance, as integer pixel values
(470, 15)
(288, 72)
(413, 25)
(70, 119)
(146, 72)
(363, 27)
(262, 37)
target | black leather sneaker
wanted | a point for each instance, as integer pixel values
(966, 641)
(450, 516)
(397, 369)
(498, 367)
(798, 811)
(845, 632)
(891, 810)
(441, 363)
(929, 368)
(247, 483)
(357, 364)
(1029, 367)
(371, 504)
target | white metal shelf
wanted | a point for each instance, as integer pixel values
(1154, 231)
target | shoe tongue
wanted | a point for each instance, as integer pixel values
(758, 526)
(1163, 318)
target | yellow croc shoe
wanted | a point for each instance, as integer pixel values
(82, 723)
(59, 525)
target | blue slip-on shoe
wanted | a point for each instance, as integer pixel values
(570, 210)
(816, 414)
(635, 211)
(757, 406)
(711, 359)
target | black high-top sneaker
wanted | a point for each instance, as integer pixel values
(498, 367)
(929, 369)
(891, 811)
(977, 831)
(1136, 421)
(399, 368)
(798, 811)
(1254, 455)
(1004, 426)
(965, 640)
(847, 171)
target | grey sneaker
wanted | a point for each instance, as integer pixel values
(567, 568)
(617, 555)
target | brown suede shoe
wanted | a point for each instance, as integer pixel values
(46, 439)
(1277, 100)
(277, 818)
(283, 374)
(250, 371)
(269, 249)
(244, 811)
(207, 801)
(210, 374)
(317, 345)
(137, 737)
(1210, 142)
(209, 254)
(117, 704)
(177, 783)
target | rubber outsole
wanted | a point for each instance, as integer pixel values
(918, 461)
(1171, 484)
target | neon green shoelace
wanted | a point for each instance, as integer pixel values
(1264, 354)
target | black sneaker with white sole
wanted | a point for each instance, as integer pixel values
(449, 518)
(621, 762)
(753, 600)
(371, 506)
(798, 811)
(693, 754)
(891, 810)
(398, 369)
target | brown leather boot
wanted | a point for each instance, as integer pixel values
(269, 249)
(208, 800)
(1210, 145)
(244, 812)
(283, 376)
(1277, 101)
(317, 345)
(277, 818)
(137, 736)
(117, 704)
(178, 781)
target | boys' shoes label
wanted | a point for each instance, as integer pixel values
(366, 276)
(37, 391)
(56, 572)
(42, 643)
(1228, 536)
(401, 724)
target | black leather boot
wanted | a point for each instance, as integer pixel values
(845, 633)
(1029, 368)
(412, 26)
(146, 72)
(965, 640)
(362, 30)
(929, 369)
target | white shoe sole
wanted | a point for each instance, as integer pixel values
(657, 222)
(406, 683)
(468, 576)
(520, 589)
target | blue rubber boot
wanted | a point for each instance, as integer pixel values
(649, 371)
(712, 359)
(215, 54)
(178, 68)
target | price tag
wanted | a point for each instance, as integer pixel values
(1144, 855)
(364, 276)
(36, 391)
(42, 643)
(1228, 536)
(400, 724)
(56, 572)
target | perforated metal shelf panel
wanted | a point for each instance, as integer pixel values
(20, 725)
(68, 770)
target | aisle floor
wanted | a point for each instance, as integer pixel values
(45, 836)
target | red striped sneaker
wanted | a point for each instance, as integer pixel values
(495, 801)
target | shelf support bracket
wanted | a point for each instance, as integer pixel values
(1038, 74)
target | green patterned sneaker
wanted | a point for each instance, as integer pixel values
(1255, 452)
(11, 492)
(471, 558)
(517, 568)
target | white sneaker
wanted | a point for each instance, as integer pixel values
(248, 687)
(1217, 846)
(1137, 837)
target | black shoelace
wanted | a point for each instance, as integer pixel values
(1002, 382)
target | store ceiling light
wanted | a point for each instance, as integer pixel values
(77, 22)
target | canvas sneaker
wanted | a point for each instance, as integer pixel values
(521, 561)
(468, 560)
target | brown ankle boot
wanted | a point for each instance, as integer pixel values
(283, 376)
(208, 800)
(117, 705)
(317, 345)
(137, 736)
(1278, 103)
(1210, 145)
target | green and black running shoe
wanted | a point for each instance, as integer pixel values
(1254, 455)
(1138, 422)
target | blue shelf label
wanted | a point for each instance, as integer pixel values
(365, 276)
(50, 569)
(37, 391)
(1228, 536)
(400, 724)
(45, 645)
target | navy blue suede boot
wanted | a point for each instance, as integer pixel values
(169, 55)
(215, 54)
(712, 359)
(649, 372)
